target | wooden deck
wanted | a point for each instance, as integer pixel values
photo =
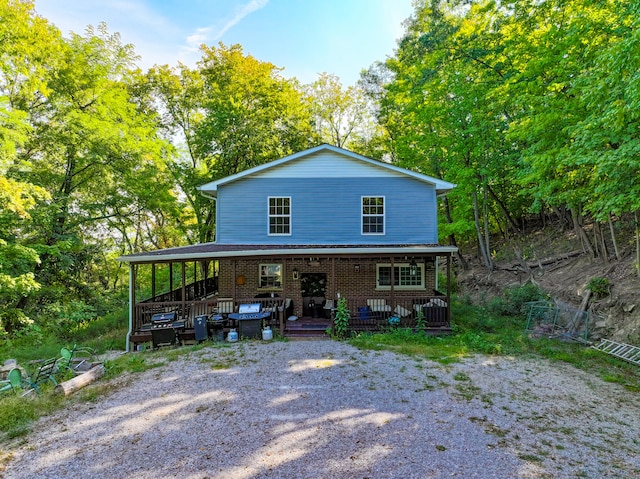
(307, 327)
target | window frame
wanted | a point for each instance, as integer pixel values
(382, 215)
(274, 284)
(276, 215)
(398, 277)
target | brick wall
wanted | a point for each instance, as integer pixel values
(353, 277)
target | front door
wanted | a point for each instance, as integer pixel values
(313, 287)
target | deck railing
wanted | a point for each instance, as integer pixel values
(190, 309)
(374, 314)
(365, 313)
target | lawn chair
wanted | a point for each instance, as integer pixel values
(13, 381)
(44, 373)
(69, 360)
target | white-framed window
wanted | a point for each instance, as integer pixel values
(373, 215)
(270, 276)
(403, 277)
(279, 215)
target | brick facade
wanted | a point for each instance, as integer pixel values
(354, 277)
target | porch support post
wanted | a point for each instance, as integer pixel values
(448, 288)
(171, 281)
(393, 282)
(153, 281)
(132, 302)
(333, 278)
(233, 280)
(184, 287)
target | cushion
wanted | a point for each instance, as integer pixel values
(402, 312)
(378, 305)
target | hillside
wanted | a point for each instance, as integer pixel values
(558, 264)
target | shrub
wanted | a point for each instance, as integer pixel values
(599, 286)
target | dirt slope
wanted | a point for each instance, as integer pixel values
(561, 268)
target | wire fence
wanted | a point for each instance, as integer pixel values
(552, 319)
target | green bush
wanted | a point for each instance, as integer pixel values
(513, 300)
(599, 287)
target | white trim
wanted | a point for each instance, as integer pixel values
(360, 250)
(441, 186)
(269, 198)
(384, 215)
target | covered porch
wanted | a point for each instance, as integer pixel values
(298, 286)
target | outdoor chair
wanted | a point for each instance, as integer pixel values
(44, 373)
(70, 361)
(14, 381)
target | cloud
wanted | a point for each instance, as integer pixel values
(213, 33)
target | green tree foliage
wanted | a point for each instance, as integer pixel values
(527, 106)
(341, 116)
(231, 113)
(252, 114)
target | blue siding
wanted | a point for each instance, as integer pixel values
(327, 210)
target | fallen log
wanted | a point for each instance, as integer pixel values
(72, 385)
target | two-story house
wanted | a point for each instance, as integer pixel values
(301, 232)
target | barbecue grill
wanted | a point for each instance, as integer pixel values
(164, 329)
(249, 318)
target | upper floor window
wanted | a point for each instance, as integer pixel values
(280, 215)
(373, 215)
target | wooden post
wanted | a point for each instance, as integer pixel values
(72, 385)
(153, 281)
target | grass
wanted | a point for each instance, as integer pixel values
(476, 330)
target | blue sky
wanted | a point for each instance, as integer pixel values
(305, 37)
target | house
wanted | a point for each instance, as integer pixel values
(297, 234)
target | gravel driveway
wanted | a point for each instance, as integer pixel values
(323, 409)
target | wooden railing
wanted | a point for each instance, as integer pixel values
(190, 309)
(193, 291)
(373, 314)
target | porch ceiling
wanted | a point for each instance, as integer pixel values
(215, 251)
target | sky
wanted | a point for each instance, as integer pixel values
(305, 37)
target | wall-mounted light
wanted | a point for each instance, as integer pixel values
(296, 275)
(240, 280)
(413, 267)
(356, 268)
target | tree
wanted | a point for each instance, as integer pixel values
(231, 113)
(340, 116)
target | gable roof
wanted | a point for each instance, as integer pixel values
(211, 188)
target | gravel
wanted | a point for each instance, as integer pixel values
(323, 409)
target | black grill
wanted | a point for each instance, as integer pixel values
(165, 328)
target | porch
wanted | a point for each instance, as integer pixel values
(299, 289)
(428, 313)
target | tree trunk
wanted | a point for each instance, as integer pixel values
(613, 238)
(481, 244)
(72, 385)
(504, 209)
(452, 237)
(635, 215)
(584, 240)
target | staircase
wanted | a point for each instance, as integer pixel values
(620, 350)
(307, 328)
